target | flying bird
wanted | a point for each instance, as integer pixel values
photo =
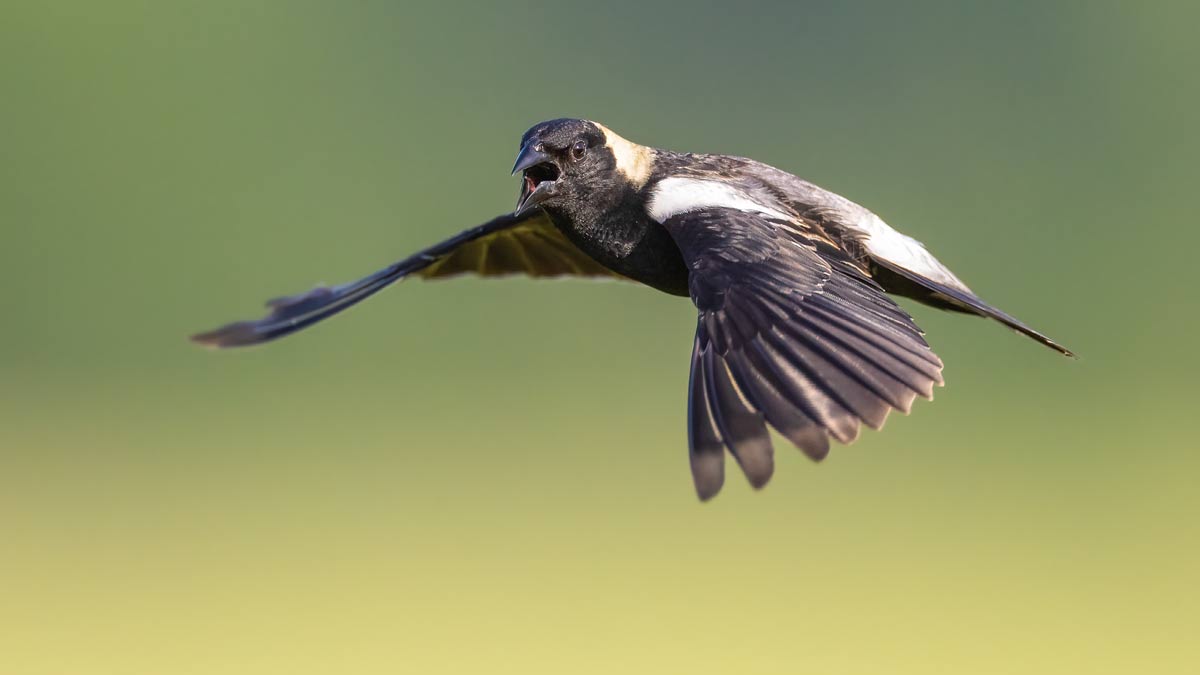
(795, 331)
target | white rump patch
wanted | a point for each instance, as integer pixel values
(886, 243)
(673, 196)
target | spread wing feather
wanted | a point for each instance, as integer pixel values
(897, 262)
(504, 245)
(791, 333)
(531, 247)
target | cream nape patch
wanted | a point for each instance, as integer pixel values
(673, 196)
(633, 160)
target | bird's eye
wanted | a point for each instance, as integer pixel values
(579, 150)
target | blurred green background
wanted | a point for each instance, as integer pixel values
(484, 476)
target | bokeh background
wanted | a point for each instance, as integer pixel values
(490, 476)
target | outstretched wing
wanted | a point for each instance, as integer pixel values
(504, 245)
(792, 333)
(532, 246)
(900, 264)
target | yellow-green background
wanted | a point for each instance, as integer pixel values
(490, 477)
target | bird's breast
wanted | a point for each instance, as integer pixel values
(629, 243)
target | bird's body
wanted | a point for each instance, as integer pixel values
(795, 330)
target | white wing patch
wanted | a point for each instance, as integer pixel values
(673, 196)
(886, 243)
(676, 195)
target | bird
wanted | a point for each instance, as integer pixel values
(795, 328)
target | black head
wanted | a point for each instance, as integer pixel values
(571, 164)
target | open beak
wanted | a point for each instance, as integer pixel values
(539, 178)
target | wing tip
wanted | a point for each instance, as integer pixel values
(708, 475)
(238, 334)
(757, 465)
(1021, 329)
(1062, 350)
(208, 340)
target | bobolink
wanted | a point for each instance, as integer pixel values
(795, 329)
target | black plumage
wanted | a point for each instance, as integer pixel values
(795, 330)
(505, 245)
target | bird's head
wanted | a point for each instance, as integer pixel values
(570, 164)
